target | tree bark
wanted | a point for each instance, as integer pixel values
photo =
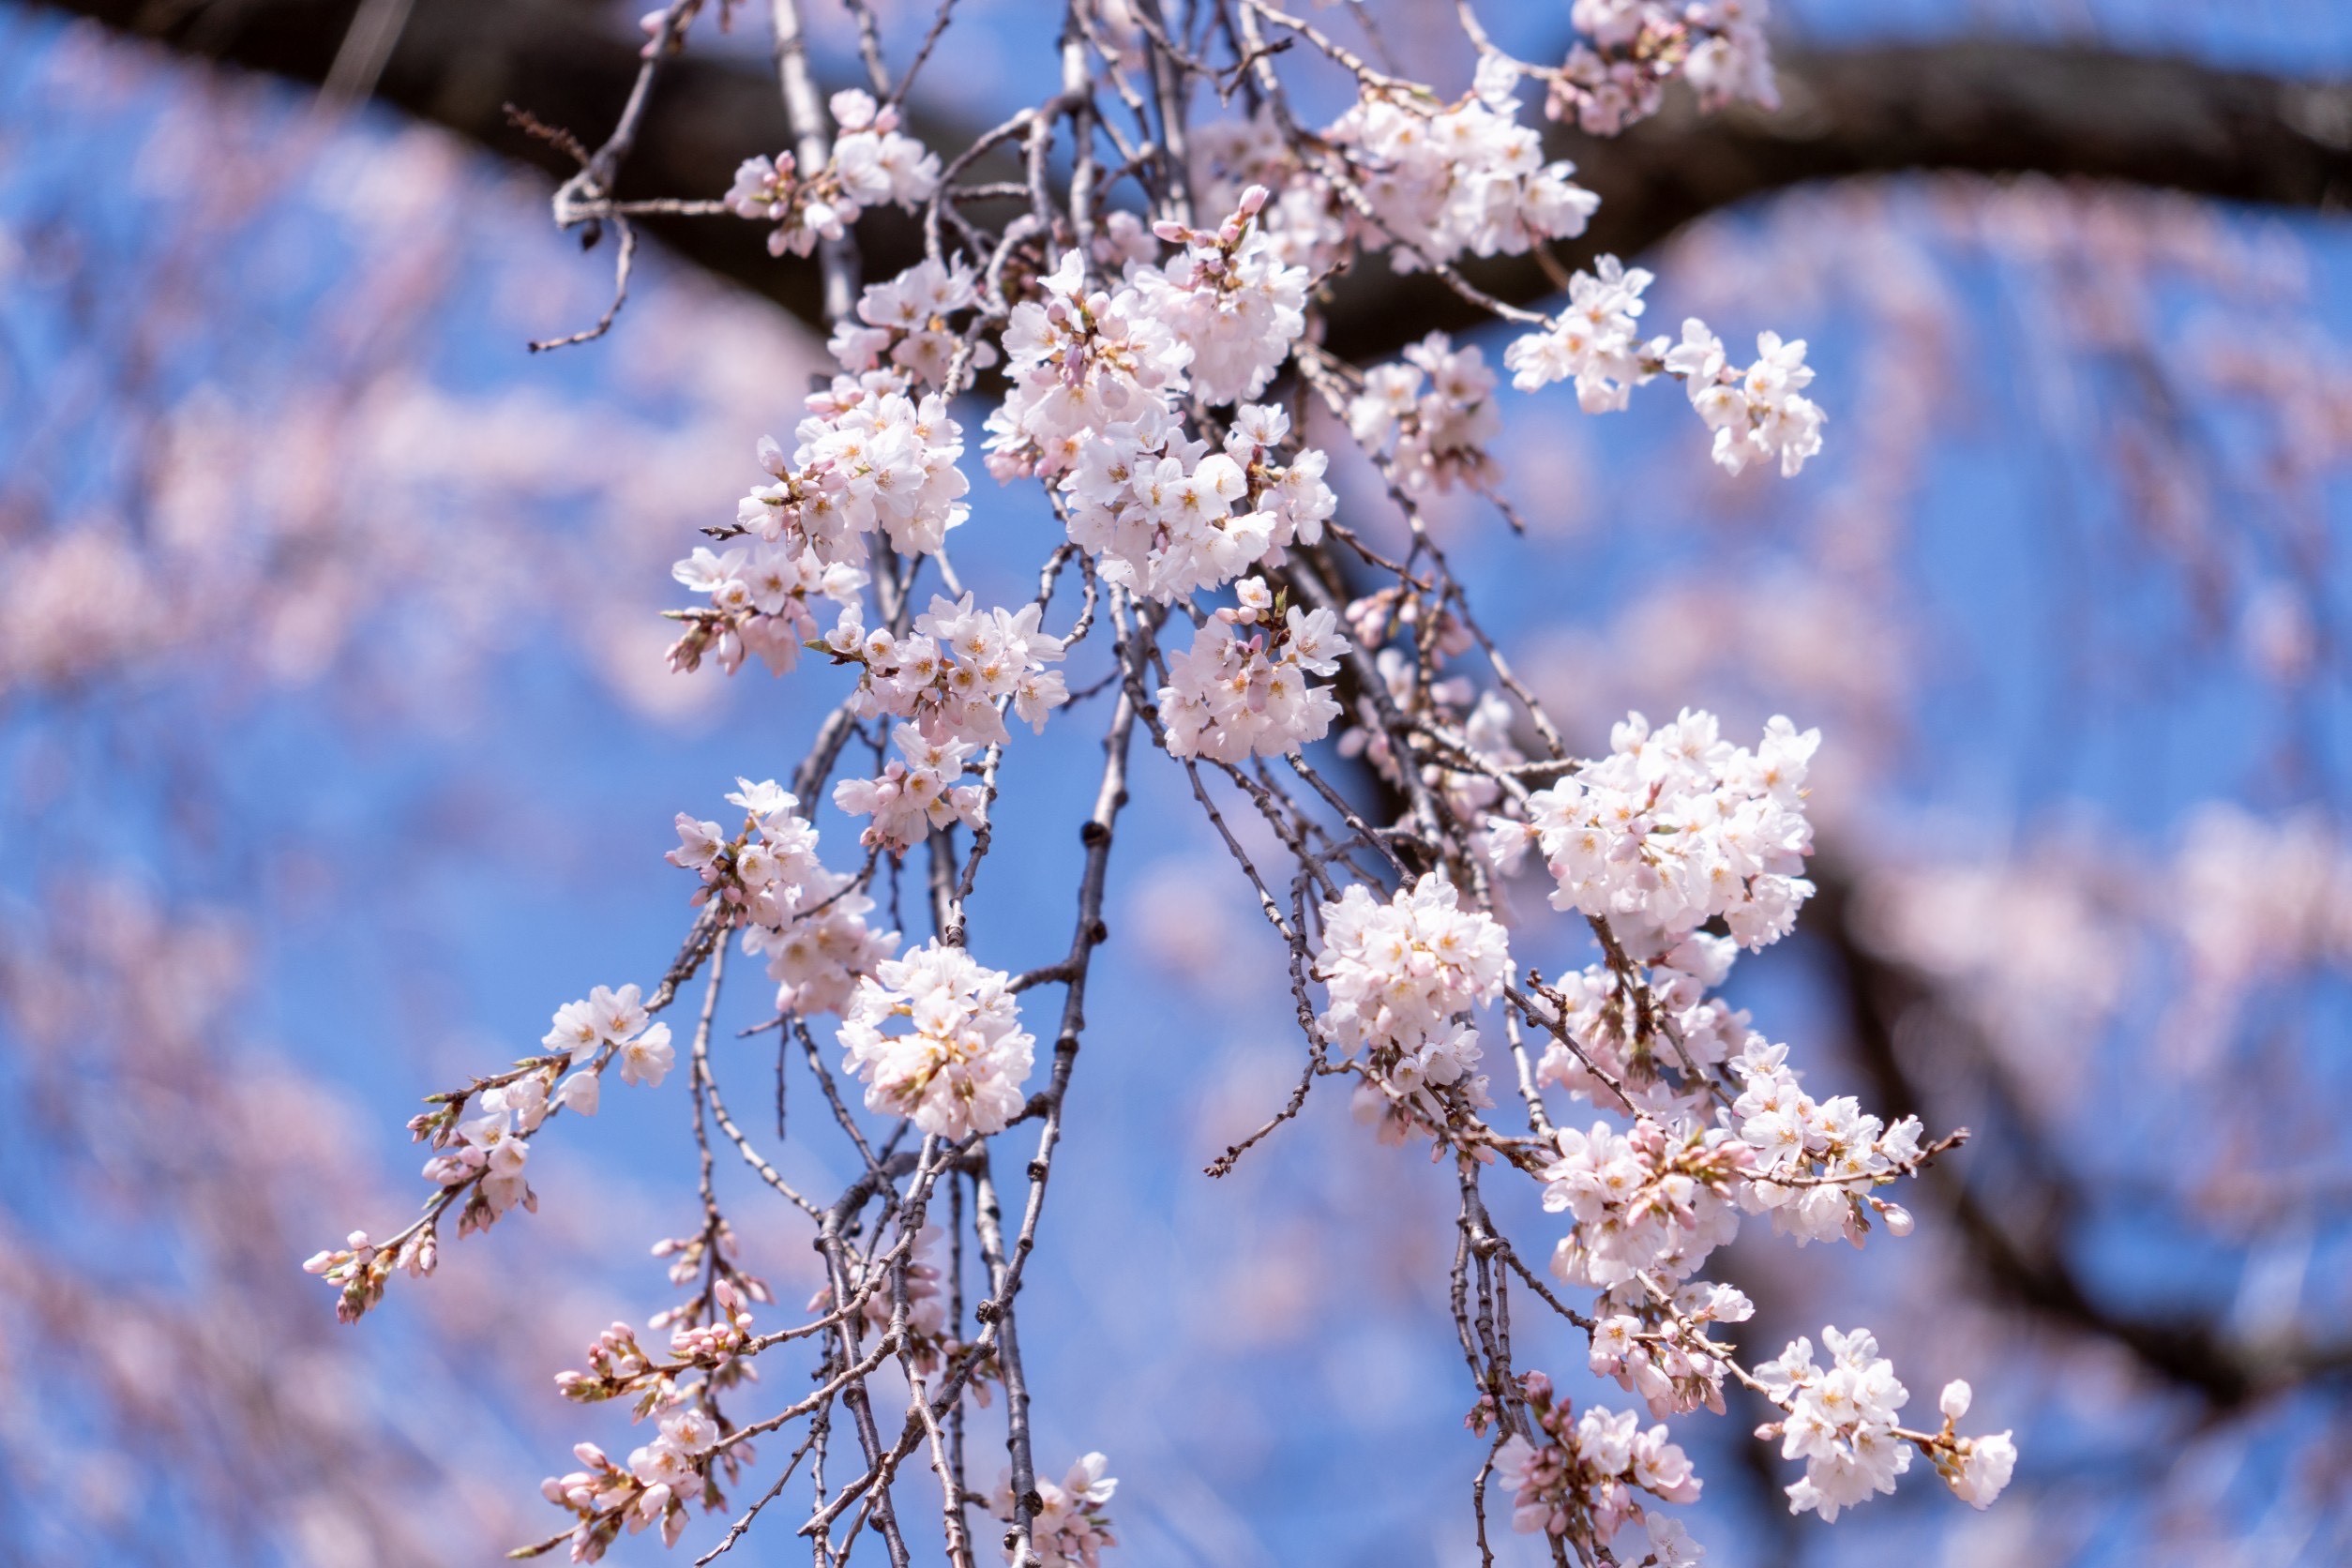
(1984, 106)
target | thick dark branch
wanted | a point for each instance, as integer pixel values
(1988, 107)
(1981, 107)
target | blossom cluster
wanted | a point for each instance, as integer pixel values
(1469, 178)
(1439, 404)
(1756, 414)
(1842, 1423)
(758, 604)
(1607, 1059)
(653, 1488)
(1073, 1527)
(1080, 360)
(905, 323)
(1815, 1161)
(873, 163)
(959, 1066)
(809, 921)
(1229, 700)
(1575, 1477)
(1659, 1348)
(1403, 973)
(1677, 828)
(1097, 375)
(1616, 73)
(1594, 341)
(916, 792)
(1655, 1200)
(1168, 516)
(869, 459)
(1230, 298)
(952, 675)
(1403, 969)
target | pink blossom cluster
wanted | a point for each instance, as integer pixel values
(1609, 1062)
(1575, 1477)
(1466, 179)
(1166, 516)
(653, 1488)
(1402, 174)
(493, 1146)
(1815, 1161)
(1659, 1348)
(1096, 374)
(959, 1066)
(1616, 75)
(954, 673)
(1403, 974)
(873, 163)
(1677, 828)
(759, 603)
(608, 1025)
(1756, 414)
(1594, 341)
(1841, 1421)
(1230, 298)
(1073, 1527)
(1229, 700)
(915, 793)
(809, 921)
(869, 459)
(1407, 967)
(1439, 405)
(1655, 1200)
(905, 323)
(1081, 360)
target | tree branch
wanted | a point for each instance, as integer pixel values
(1991, 107)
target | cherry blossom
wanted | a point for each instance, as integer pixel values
(1577, 1478)
(959, 1066)
(1227, 700)
(1072, 1530)
(1677, 827)
(873, 164)
(1841, 1421)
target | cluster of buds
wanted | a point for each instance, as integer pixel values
(659, 1480)
(617, 1365)
(359, 1270)
(716, 1343)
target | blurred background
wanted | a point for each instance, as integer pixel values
(337, 748)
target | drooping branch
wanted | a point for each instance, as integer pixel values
(1983, 106)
